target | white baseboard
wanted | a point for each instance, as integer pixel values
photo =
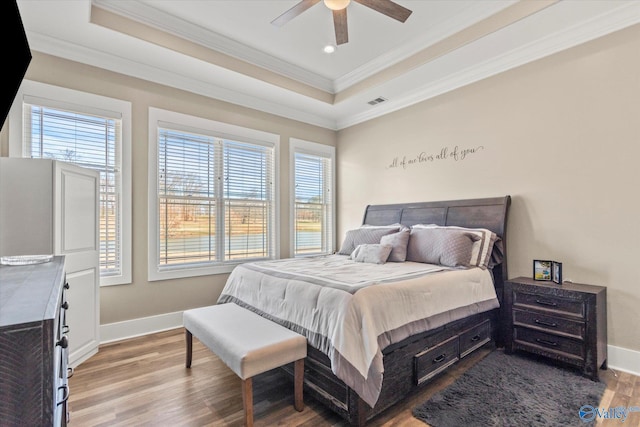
(618, 358)
(623, 359)
(118, 331)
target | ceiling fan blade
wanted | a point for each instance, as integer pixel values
(293, 12)
(340, 24)
(387, 7)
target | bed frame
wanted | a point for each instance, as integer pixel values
(412, 362)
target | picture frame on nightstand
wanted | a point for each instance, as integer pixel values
(542, 270)
(556, 272)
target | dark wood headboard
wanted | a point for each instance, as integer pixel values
(490, 213)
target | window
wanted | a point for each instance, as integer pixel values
(92, 132)
(214, 195)
(313, 192)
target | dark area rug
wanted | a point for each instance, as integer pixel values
(512, 390)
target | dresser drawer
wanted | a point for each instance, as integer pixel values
(432, 361)
(553, 324)
(552, 303)
(552, 343)
(474, 338)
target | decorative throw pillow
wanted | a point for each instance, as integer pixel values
(364, 235)
(451, 248)
(371, 253)
(398, 242)
(482, 253)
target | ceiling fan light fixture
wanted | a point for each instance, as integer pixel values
(337, 4)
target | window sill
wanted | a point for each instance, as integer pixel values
(156, 274)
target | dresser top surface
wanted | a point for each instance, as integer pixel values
(30, 293)
(568, 286)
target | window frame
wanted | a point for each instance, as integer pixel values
(314, 149)
(88, 103)
(190, 123)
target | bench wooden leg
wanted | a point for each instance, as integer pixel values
(189, 339)
(298, 384)
(247, 402)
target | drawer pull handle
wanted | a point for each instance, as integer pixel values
(550, 303)
(545, 342)
(475, 338)
(65, 329)
(440, 358)
(543, 323)
(65, 389)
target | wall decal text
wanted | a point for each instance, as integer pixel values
(424, 158)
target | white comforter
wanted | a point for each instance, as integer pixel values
(351, 310)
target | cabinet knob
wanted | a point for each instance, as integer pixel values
(66, 285)
(64, 342)
(65, 305)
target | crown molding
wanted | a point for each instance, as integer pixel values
(335, 117)
(148, 15)
(469, 16)
(77, 53)
(598, 26)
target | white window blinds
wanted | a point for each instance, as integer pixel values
(90, 141)
(313, 206)
(215, 200)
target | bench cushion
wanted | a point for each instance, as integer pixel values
(246, 342)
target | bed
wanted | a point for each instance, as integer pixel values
(381, 322)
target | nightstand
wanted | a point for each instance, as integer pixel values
(567, 322)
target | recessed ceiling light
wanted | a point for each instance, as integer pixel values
(329, 48)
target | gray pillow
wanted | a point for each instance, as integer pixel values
(399, 242)
(448, 247)
(371, 253)
(364, 235)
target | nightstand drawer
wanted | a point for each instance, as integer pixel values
(553, 343)
(431, 362)
(549, 302)
(553, 324)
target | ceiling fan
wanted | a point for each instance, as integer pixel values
(339, 9)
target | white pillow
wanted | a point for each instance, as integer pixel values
(371, 253)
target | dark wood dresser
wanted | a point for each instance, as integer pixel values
(33, 345)
(566, 322)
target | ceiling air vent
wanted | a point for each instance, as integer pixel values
(378, 100)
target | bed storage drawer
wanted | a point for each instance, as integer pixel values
(319, 377)
(474, 338)
(430, 362)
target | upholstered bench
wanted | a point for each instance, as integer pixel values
(248, 344)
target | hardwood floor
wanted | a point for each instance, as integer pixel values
(144, 382)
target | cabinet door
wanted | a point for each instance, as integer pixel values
(76, 226)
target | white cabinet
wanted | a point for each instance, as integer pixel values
(52, 207)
